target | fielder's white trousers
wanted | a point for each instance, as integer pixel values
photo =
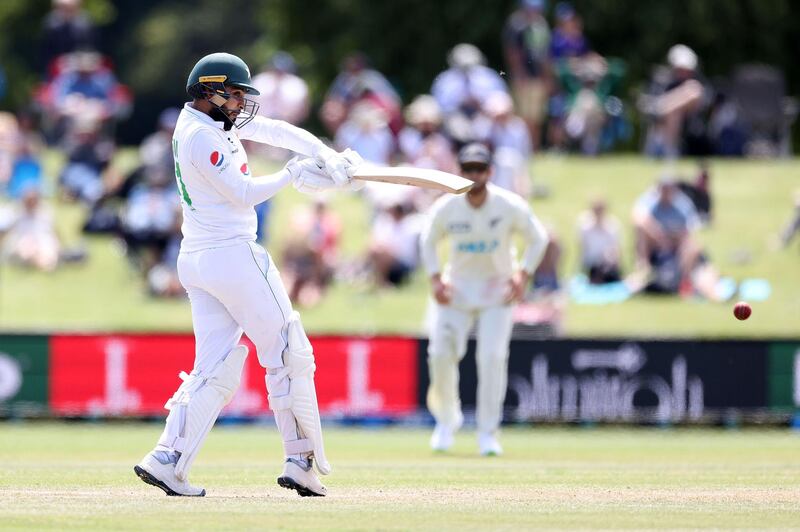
(448, 345)
(234, 289)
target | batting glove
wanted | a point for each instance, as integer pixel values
(340, 167)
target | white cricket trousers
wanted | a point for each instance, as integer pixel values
(234, 289)
(448, 345)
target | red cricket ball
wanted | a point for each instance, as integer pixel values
(742, 310)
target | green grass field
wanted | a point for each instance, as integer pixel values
(753, 201)
(79, 476)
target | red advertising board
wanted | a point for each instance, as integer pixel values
(118, 375)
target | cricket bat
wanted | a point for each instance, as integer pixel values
(417, 177)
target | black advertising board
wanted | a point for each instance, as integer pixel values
(626, 381)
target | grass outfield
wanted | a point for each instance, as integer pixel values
(753, 202)
(79, 476)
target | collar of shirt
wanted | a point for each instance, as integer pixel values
(199, 115)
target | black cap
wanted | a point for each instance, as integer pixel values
(475, 153)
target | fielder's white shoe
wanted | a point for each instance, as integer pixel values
(488, 445)
(299, 476)
(442, 438)
(161, 474)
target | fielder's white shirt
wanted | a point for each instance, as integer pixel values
(481, 252)
(214, 177)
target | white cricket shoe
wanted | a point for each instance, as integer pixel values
(301, 477)
(488, 444)
(442, 438)
(162, 475)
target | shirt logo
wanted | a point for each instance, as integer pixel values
(459, 227)
(493, 222)
(217, 158)
(244, 169)
(478, 246)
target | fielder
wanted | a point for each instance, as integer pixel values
(479, 283)
(232, 282)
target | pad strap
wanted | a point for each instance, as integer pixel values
(298, 446)
(283, 402)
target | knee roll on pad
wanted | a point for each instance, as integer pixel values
(292, 388)
(197, 403)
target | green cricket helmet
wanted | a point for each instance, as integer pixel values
(213, 73)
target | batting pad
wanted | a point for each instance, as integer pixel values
(196, 404)
(301, 399)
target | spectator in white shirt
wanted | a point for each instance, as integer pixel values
(367, 132)
(394, 245)
(508, 135)
(599, 238)
(462, 90)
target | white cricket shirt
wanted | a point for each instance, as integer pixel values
(480, 239)
(212, 172)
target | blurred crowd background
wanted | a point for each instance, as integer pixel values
(402, 83)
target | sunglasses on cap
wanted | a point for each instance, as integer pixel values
(469, 168)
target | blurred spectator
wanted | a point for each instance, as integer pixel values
(32, 239)
(87, 78)
(526, 41)
(421, 142)
(83, 86)
(568, 39)
(284, 95)
(508, 136)
(699, 191)
(394, 245)
(156, 148)
(357, 82)
(462, 90)
(311, 253)
(666, 250)
(546, 278)
(793, 227)
(20, 151)
(162, 277)
(67, 28)
(367, 131)
(675, 104)
(581, 108)
(541, 314)
(156, 165)
(600, 246)
(9, 133)
(148, 217)
(88, 156)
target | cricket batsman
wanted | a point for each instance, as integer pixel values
(480, 282)
(232, 282)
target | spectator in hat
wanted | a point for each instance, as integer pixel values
(676, 104)
(421, 142)
(526, 42)
(367, 131)
(462, 90)
(510, 140)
